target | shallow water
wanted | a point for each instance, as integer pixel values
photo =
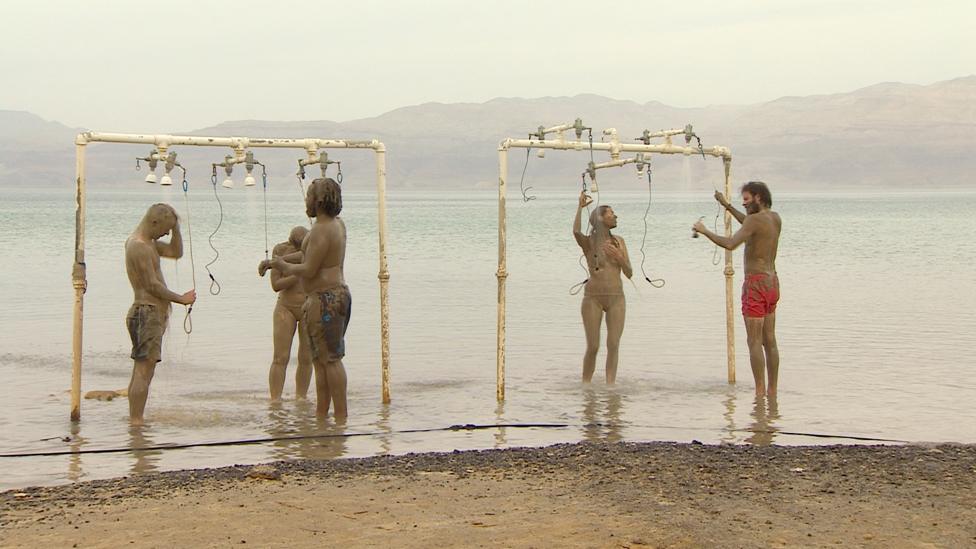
(876, 329)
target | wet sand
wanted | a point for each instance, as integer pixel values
(585, 494)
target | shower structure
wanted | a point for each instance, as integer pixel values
(554, 138)
(241, 153)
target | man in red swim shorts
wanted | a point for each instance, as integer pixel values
(760, 291)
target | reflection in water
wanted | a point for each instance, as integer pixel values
(500, 439)
(302, 421)
(146, 461)
(75, 471)
(729, 415)
(608, 427)
(383, 426)
(763, 416)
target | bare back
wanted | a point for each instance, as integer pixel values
(328, 237)
(763, 242)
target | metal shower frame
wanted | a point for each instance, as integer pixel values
(239, 146)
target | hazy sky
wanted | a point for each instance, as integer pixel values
(180, 65)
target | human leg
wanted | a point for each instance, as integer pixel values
(616, 314)
(757, 359)
(592, 314)
(303, 375)
(284, 324)
(142, 375)
(772, 353)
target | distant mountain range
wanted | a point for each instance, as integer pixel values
(890, 134)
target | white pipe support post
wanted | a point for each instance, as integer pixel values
(502, 275)
(79, 281)
(384, 274)
(729, 273)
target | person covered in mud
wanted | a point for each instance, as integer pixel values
(760, 291)
(287, 316)
(603, 293)
(149, 314)
(328, 303)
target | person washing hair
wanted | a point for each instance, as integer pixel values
(603, 293)
(147, 317)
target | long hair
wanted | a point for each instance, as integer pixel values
(760, 191)
(597, 237)
(324, 196)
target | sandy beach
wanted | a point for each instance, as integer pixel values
(586, 494)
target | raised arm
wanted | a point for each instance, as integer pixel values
(141, 258)
(729, 243)
(739, 216)
(581, 238)
(174, 248)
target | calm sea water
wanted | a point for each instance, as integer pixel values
(876, 329)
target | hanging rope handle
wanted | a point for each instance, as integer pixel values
(655, 282)
(188, 320)
(339, 172)
(525, 190)
(716, 259)
(214, 285)
(264, 181)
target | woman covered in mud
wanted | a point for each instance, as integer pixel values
(603, 293)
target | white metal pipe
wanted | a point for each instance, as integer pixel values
(560, 128)
(384, 274)
(729, 272)
(502, 275)
(163, 140)
(660, 148)
(615, 163)
(79, 282)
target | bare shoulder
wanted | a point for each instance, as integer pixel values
(282, 248)
(137, 248)
(776, 218)
(619, 239)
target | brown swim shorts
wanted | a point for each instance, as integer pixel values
(146, 325)
(326, 316)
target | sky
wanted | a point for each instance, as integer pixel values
(133, 66)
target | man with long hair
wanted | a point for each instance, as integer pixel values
(328, 303)
(760, 291)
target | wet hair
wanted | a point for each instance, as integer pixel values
(298, 233)
(596, 217)
(324, 196)
(157, 213)
(759, 190)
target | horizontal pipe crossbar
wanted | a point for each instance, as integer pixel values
(232, 142)
(662, 148)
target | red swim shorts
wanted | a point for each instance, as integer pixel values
(760, 293)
